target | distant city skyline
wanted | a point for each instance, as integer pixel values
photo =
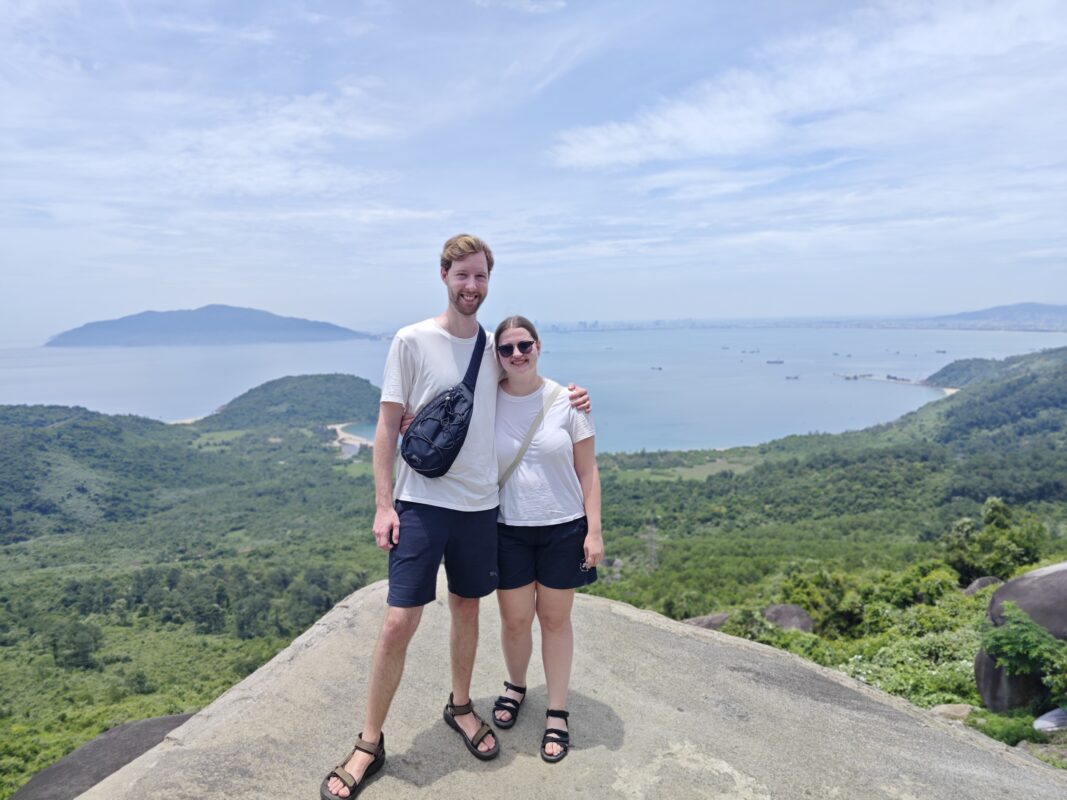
(626, 161)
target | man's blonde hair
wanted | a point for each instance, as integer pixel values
(462, 245)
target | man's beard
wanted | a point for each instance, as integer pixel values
(462, 305)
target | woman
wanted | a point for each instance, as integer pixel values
(549, 525)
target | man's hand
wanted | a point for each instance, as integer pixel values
(386, 528)
(405, 422)
(580, 398)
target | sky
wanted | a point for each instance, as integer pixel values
(624, 160)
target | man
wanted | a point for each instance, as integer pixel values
(453, 516)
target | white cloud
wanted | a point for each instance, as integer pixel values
(852, 86)
(525, 6)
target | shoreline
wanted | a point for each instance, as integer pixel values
(948, 391)
(345, 438)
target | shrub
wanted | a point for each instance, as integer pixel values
(1010, 728)
(1006, 541)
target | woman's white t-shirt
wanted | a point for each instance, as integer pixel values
(544, 488)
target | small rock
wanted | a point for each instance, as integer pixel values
(953, 711)
(710, 621)
(1053, 721)
(789, 617)
(978, 584)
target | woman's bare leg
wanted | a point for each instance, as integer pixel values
(557, 650)
(516, 638)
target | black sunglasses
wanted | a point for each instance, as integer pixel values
(524, 347)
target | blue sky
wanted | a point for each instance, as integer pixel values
(625, 160)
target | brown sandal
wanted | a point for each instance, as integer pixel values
(339, 772)
(452, 711)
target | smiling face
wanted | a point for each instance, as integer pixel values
(468, 283)
(518, 364)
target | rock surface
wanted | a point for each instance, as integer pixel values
(789, 617)
(1042, 594)
(658, 709)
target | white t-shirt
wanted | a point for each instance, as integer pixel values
(424, 360)
(544, 488)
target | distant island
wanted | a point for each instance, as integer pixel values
(210, 325)
(1018, 317)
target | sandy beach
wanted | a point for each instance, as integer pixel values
(345, 438)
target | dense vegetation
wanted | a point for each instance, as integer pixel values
(147, 567)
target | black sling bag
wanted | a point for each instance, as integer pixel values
(434, 438)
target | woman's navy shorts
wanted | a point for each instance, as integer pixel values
(552, 555)
(465, 539)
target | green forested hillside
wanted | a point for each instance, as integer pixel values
(298, 401)
(968, 371)
(146, 567)
(68, 469)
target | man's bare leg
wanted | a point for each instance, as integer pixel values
(387, 666)
(463, 643)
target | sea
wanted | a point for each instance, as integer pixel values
(653, 389)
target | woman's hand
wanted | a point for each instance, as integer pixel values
(594, 549)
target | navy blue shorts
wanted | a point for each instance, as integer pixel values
(552, 555)
(465, 539)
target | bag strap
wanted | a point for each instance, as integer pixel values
(471, 378)
(529, 436)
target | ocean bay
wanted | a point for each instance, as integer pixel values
(652, 389)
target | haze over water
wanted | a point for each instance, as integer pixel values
(652, 389)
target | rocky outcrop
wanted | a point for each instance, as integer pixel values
(95, 760)
(659, 709)
(1043, 595)
(789, 617)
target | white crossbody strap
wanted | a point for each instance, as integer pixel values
(529, 435)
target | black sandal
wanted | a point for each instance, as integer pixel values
(556, 736)
(452, 711)
(505, 703)
(339, 772)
